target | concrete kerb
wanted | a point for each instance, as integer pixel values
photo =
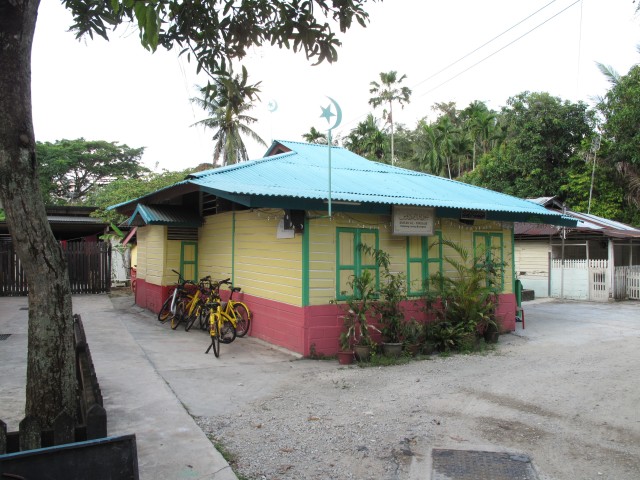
(136, 397)
(139, 400)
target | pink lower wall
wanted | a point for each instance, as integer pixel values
(301, 329)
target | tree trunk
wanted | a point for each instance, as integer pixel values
(51, 384)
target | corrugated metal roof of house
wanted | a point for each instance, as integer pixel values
(172, 215)
(587, 223)
(303, 173)
(74, 219)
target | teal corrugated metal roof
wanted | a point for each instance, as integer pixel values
(303, 173)
(164, 215)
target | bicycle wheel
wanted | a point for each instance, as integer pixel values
(243, 319)
(227, 332)
(215, 334)
(177, 318)
(203, 319)
(190, 320)
(165, 310)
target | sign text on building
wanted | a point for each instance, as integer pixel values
(412, 221)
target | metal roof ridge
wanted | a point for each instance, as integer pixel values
(235, 166)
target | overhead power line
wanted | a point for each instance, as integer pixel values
(483, 45)
(500, 49)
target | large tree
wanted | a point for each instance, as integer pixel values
(386, 93)
(621, 109)
(543, 137)
(71, 169)
(213, 33)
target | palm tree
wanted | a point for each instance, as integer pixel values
(367, 139)
(226, 100)
(386, 92)
(426, 153)
(445, 140)
(480, 121)
(314, 136)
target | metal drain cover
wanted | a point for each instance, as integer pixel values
(4, 336)
(478, 465)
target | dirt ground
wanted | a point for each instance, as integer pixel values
(564, 392)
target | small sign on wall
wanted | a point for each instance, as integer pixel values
(412, 221)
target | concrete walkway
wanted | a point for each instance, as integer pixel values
(129, 348)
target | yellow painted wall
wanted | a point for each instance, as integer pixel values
(214, 256)
(156, 239)
(267, 266)
(322, 247)
(251, 254)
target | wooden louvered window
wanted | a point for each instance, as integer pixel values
(182, 233)
(350, 260)
(424, 258)
(489, 248)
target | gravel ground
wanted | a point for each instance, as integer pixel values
(572, 407)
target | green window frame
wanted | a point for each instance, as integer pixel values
(189, 260)
(420, 264)
(491, 245)
(350, 260)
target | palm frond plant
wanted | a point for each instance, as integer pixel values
(467, 297)
(359, 306)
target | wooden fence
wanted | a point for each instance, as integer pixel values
(91, 420)
(89, 265)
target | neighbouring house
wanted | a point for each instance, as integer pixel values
(88, 258)
(598, 259)
(286, 228)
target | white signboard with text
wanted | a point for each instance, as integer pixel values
(412, 221)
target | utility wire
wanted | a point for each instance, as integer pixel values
(351, 121)
(500, 49)
(483, 45)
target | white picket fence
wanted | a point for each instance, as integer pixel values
(580, 279)
(627, 283)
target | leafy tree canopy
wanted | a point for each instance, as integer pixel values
(70, 169)
(125, 189)
(216, 31)
(621, 109)
(541, 138)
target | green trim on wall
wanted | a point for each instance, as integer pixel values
(357, 267)
(488, 245)
(233, 246)
(513, 261)
(193, 261)
(424, 261)
(305, 263)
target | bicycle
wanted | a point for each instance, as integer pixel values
(203, 295)
(237, 312)
(189, 306)
(168, 309)
(221, 330)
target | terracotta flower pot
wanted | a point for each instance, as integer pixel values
(345, 358)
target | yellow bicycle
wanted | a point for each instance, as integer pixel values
(233, 310)
(221, 329)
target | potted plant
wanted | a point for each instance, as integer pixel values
(413, 336)
(359, 307)
(345, 354)
(466, 300)
(388, 306)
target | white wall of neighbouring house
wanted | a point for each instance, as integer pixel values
(532, 265)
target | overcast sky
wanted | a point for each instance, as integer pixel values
(458, 51)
